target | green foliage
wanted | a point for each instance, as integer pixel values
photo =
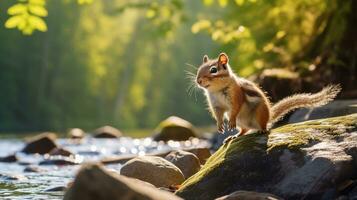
(27, 16)
(123, 62)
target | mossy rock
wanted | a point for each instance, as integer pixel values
(174, 128)
(304, 160)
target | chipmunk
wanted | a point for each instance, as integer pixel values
(244, 103)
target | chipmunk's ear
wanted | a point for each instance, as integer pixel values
(223, 58)
(205, 58)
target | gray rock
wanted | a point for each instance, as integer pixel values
(93, 182)
(333, 109)
(56, 189)
(33, 169)
(249, 195)
(41, 144)
(59, 160)
(107, 132)
(174, 128)
(307, 160)
(9, 159)
(76, 133)
(12, 177)
(60, 152)
(154, 170)
(187, 162)
(202, 153)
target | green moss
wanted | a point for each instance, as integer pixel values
(227, 152)
(300, 134)
(290, 136)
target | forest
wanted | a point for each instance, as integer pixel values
(87, 63)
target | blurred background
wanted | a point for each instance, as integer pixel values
(88, 63)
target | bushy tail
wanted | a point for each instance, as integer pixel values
(304, 100)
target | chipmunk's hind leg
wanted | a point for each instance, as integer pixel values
(262, 117)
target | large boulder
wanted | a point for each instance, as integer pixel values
(93, 182)
(187, 162)
(333, 109)
(41, 144)
(107, 132)
(174, 128)
(248, 195)
(153, 169)
(297, 161)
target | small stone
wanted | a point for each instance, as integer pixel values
(41, 144)
(94, 182)
(202, 154)
(9, 159)
(33, 169)
(56, 189)
(12, 177)
(107, 132)
(59, 161)
(174, 128)
(154, 170)
(61, 152)
(76, 133)
(187, 162)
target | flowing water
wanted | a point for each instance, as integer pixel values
(15, 183)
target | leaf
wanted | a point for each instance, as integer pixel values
(150, 13)
(200, 25)
(38, 23)
(208, 2)
(84, 1)
(223, 3)
(14, 21)
(38, 10)
(17, 9)
(239, 2)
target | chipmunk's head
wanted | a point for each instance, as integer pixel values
(214, 75)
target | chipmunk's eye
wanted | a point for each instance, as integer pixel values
(213, 70)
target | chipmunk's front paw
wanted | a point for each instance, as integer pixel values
(220, 127)
(232, 125)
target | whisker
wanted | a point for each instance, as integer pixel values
(191, 65)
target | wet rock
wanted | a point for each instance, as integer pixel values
(12, 177)
(154, 170)
(76, 133)
(107, 132)
(202, 153)
(9, 159)
(60, 152)
(60, 161)
(187, 162)
(333, 109)
(41, 144)
(112, 186)
(174, 128)
(248, 195)
(56, 189)
(121, 159)
(305, 160)
(33, 169)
